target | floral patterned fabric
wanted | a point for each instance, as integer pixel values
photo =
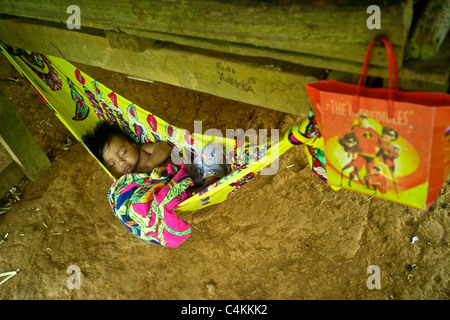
(145, 203)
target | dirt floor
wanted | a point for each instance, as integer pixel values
(288, 236)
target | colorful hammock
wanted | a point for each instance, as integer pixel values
(80, 103)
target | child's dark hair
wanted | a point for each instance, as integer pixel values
(102, 135)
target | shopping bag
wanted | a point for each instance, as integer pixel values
(384, 142)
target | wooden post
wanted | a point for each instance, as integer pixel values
(10, 175)
(429, 31)
(19, 142)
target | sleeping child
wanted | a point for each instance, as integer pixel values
(145, 201)
(121, 155)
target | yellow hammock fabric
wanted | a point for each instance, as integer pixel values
(80, 103)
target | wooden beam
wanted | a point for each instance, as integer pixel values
(329, 29)
(279, 81)
(88, 46)
(19, 142)
(263, 82)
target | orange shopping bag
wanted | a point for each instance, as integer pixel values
(384, 142)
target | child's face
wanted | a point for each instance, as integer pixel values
(120, 156)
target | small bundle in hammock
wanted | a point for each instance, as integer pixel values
(145, 204)
(80, 103)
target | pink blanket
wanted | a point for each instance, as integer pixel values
(145, 203)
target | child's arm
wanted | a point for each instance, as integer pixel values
(158, 154)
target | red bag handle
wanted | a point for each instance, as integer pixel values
(393, 72)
